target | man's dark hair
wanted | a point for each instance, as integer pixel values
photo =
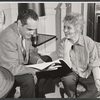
(25, 14)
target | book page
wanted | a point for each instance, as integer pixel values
(44, 65)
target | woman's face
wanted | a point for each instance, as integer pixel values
(71, 32)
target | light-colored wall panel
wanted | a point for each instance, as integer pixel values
(41, 25)
(50, 30)
(63, 13)
(49, 27)
(85, 19)
(76, 7)
(8, 17)
(41, 30)
(14, 11)
(6, 7)
(50, 5)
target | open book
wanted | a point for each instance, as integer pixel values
(54, 65)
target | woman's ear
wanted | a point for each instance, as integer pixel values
(79, 27)
(19, 23)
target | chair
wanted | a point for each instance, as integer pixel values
(6, 82)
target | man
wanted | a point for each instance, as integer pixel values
(80, 53)
(12, 55)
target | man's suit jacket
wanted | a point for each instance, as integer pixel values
(11, 56)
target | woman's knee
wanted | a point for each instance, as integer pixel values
(92, 89)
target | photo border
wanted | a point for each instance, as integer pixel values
(42, 1)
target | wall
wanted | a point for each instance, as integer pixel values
(47, 26)
(6, 8)
(10, 10)
(85, 18)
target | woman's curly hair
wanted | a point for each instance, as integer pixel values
(74, 18)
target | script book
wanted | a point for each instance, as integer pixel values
(54, 65)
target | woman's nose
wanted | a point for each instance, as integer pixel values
(65, 30)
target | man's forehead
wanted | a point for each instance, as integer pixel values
(31, 20)
(32, 24)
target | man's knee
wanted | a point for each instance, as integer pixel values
(68, 80)
(29, 80)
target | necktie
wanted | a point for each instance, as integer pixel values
(67, 49)
(23, 48)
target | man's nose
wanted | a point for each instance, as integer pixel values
(31, 33)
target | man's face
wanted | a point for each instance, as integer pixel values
(29, 29)
(71, 32)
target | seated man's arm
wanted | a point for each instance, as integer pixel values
(9, 56)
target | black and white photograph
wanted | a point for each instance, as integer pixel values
(49, 49)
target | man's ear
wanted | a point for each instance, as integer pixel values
(19, 23)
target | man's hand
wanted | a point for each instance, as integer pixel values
(40, 61)
(35, 79)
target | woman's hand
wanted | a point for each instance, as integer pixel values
(97, 83)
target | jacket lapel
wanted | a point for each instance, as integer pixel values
(20, 53)
(27, 50)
